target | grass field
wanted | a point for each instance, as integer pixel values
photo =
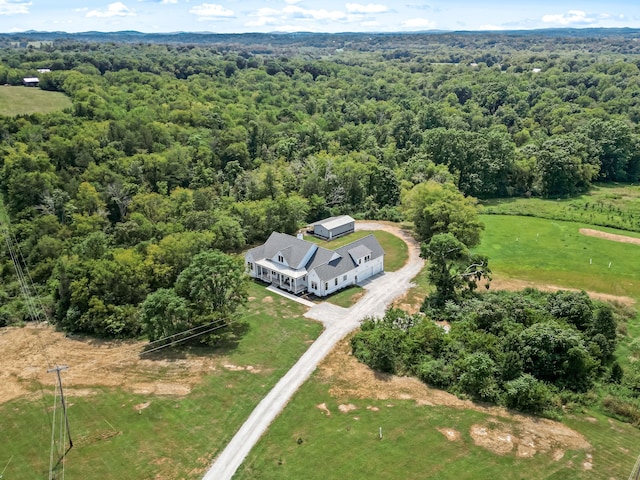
(24, 101)
(395, 250)
(609, 205)
(307, 443)
(174, 436)
(556, 253)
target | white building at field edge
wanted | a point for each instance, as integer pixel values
(334, 227)
(299, 266)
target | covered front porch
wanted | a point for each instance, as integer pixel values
(293, 281)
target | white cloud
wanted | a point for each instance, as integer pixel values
(211, 10)
(294, 17)
(322, 14)
(117, 9)
(167, 2)
(261, 22)
(420, 23)
(8, 7)
(266, 12)
(368, 8)
(569, 18)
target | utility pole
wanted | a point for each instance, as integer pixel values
(58, 369)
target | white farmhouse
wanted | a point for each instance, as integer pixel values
(298, 266)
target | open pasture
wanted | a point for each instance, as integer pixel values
(331, 430)
(555, 253)
(164, 417)
(25, 101)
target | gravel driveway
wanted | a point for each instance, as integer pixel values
(381, 290)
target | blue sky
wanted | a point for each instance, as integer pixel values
(233, 16)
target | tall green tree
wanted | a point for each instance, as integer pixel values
(437, 208)
(214, 285)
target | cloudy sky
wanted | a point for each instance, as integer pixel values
(227, 16)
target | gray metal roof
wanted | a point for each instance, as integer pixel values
(359, 251)
(293, 249)
(328, 264)
(345, 263)
(333, 222)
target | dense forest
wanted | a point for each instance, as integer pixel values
(174, 149)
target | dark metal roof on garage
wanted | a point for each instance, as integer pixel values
(345, 263)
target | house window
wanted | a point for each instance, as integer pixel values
(367, 258)
(326, 286)
(280, 258)
(359, 261)
(336, 281)
(314, 286)
(250, 265)
(344, 279)
(304, 279)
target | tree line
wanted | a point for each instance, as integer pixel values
(171, 150)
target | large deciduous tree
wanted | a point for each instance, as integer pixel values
(438, 208)
(214, 285)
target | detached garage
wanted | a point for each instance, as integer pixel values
(334, 227)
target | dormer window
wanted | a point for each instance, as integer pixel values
(280, 258)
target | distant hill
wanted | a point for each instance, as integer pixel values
(361, 41)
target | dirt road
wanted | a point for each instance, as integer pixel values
(338, 321)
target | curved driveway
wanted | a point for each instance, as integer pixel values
(381, 290)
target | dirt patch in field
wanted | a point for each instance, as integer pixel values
(515, 284)
(609, 236)
(323, 408)
(505, 431)
(347, 408)
(141, 406)
(28, 352)
(450, 434)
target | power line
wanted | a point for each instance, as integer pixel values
(635, 473)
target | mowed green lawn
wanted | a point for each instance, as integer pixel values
(175, 436)
(555, 253)
(27, 100)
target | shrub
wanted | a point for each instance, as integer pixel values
(436, 373)
(527, 394)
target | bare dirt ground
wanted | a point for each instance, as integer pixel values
(609, 236)
(505, 431)
(29, 351)
(515, 284)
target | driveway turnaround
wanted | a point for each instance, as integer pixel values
(338, 322)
